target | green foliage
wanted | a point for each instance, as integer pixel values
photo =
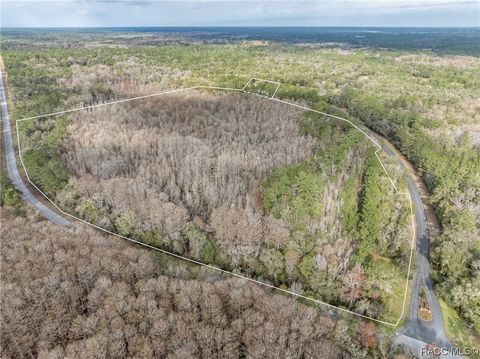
(457, 332)
(152, 238)
(451, 258)
(46, 170)
(10, 196)
(90, 210)
(306, 267)
(209, 253)
(308, 94)
(366, 107)
(385, 287)
(450, 171)
(387, 95)
(294, 192)
(349, 198)
(126, 223)
(273, 264)
(261, 87)
(365, 208)
(41, 145)
(465, 296)
(370, 224)
(199, 239)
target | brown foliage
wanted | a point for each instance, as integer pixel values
(200, 150)
(353, 283)
(176, 158)
(368, 334)
(75, 293)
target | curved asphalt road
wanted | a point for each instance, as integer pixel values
(417, 333)
(12, 166)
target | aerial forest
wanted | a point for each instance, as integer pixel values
(97, 297)
(240, 182)
(281, 195)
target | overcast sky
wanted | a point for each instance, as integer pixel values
(104, 13)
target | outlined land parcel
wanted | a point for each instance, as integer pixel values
(240, 92)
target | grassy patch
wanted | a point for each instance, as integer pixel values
(386, 281)
(456, 329)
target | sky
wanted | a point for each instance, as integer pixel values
(112, 13)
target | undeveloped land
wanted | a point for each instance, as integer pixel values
(79, 294)
(188, 157)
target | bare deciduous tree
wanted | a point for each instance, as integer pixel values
(75, 293)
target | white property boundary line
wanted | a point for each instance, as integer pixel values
(209, 265)
(262, 80)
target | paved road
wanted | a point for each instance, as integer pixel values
(12, 166)
(416, 331)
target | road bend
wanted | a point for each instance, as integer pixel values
(417, 333)
(12, 169)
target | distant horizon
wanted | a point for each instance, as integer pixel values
(235, 13)
(243, 26)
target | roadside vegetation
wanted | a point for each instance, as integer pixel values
(10, 197)
(456, 330)
(426, 104)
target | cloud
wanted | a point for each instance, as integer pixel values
(399, 5)
(239, 12)
(126, 2)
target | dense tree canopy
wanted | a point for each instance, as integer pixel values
(427, 105)
(74, 293)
